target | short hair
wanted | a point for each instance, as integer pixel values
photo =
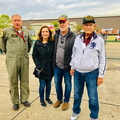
(15, 15)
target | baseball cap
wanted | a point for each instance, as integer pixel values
(63, 18)
(88, 19)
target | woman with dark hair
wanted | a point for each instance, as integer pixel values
(43, 59)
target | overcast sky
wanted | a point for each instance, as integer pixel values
(38, 9)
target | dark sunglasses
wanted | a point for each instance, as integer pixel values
(62, 39)
(62, 22)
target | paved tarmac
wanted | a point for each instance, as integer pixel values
(109, 98)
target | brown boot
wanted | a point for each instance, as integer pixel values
(57, 104)
(65, 106)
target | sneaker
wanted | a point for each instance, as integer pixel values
(57, 104)
(49, 101)
(74, 116)
(43, 103)
(93, 119)
(65, 106)
(15, 107)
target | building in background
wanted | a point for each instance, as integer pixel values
(110, 23)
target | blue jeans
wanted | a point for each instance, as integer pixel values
(58, 77)
(90, 79)
(43, 84)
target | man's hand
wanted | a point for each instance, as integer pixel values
(72, 72)
(99, 81)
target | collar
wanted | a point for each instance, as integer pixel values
(15, 30)
(89, 37)
(94, 35)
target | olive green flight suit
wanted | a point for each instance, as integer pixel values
(17, 62)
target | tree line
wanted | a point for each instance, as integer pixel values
(4, 21)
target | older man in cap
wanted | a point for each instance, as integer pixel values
(88, 66)
(64, 39)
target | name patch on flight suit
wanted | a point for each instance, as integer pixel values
(14, 35)
(1, 33)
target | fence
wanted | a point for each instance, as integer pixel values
(112, 50)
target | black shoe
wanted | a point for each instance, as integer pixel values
(26, 104)
(43, 103)
(15, 107)
(49, 101)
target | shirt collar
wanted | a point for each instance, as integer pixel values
(94, 35)
(89, 37)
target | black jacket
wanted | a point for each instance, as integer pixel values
(68, 48)
(43, 58)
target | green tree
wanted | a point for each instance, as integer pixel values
(78, 28)
(4, 21)
(55, 23)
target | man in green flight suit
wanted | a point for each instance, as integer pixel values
(15, 41)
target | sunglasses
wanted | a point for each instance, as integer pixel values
(62, 39)
(62, 22)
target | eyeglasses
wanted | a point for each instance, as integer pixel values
(89, 25)
(62, 39)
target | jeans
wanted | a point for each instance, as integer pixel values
(43, 84)
(90, 79)
(58, 77)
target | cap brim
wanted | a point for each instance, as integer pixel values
(62, 20)
(88, 22)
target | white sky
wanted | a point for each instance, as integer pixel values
(38, 9)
